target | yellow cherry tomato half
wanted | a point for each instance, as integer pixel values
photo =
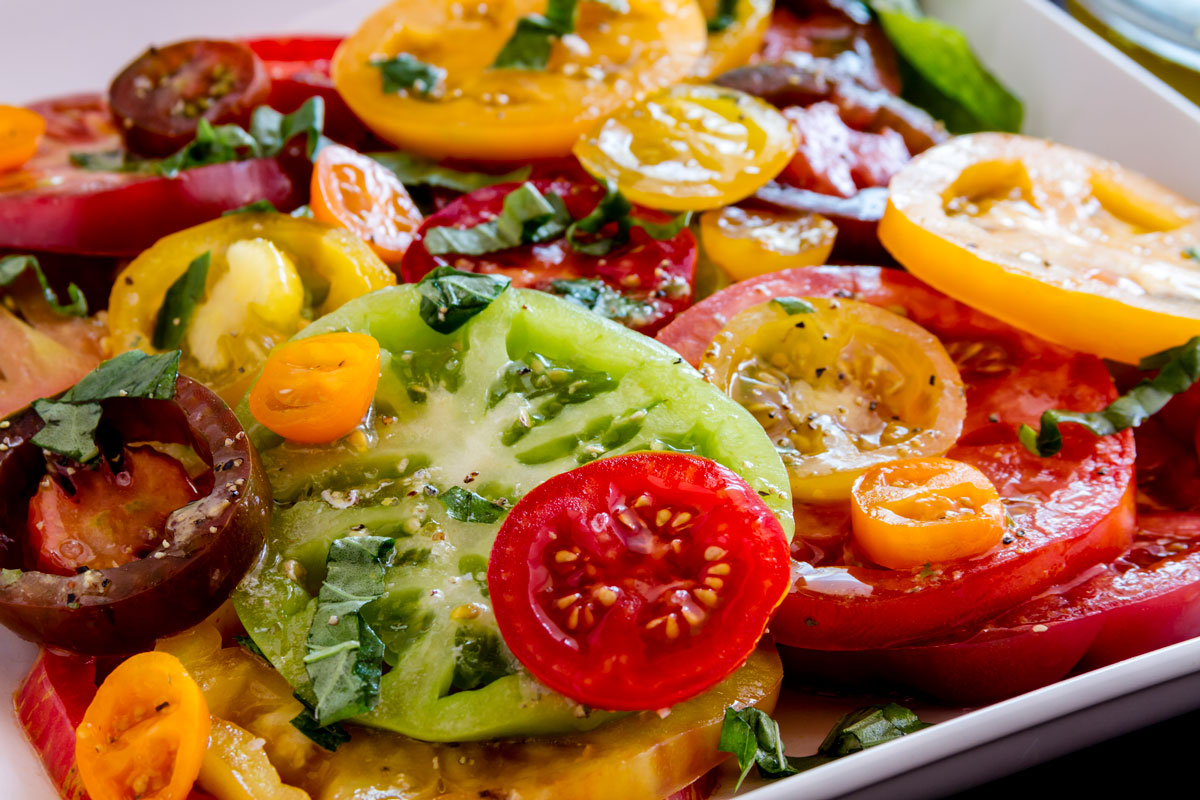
(269, 276)
(745, 242)
(734, 45)
(20, 132)
(925, 510)
(366, 198)
(477, 111)
(1061, 243)
(690, 147)
(144, 735)
(839, 386)
(317, 389)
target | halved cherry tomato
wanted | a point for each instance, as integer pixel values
(657, 276)
(839, 387)
(1069, 512)
(736, 43)
(479, 111)
(920, 510)
(317, 389)
(745, 242)
(638, 581)
(160, 97)
(20, 131)
(144, 735)
(108, 518)
(1059, 242)
(689, 148)
(365, 197)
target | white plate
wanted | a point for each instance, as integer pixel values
(1076, 90)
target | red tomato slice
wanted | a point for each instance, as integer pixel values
(833, 158)
(1073, 511)
(52, 205)
(50, 704)
(659, 275)
(637, 581)
(838, 32)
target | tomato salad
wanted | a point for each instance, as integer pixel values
(505, 401)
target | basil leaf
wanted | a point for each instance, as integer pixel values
(941, 74)
(528, 217)
(327, 737)
(272, 130)
(1179, 368)
(212, 145)
(414, 170)
(257, 207)
(403, 72)
(598, 297)
(70, 429)
(466, 506)
(529, 46)
(868, 727)
(450, 297)
(179, 304)
(11, 268)
(345, 657)
(111, 161)
(725, 16)
(615, 208)
(794, 305)
(753, 738)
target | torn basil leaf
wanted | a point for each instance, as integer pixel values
(598, 297)
(12, 267)
(272, 130)
(725, 16)
(528, 217)
(753, 738)
(450, 297)
(615, 208)
(529, 46)
(212, 145)
(466, 506)
(1179, 368)
(180, 302)
(327, 737)
(793, 305)
(344, 659)
(403, 72)
(257, 207)
(414, 170)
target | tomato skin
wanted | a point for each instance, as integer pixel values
(1081, 503)
(835, 159)
(50, 704)
(829, 31)
(634, 623)
(661, 274)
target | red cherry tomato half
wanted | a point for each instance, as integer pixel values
(638, 581)
(659, 276)
(1070, 512)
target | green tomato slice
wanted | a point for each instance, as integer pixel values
(463, 425)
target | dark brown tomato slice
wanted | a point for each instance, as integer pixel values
(655, 277)
(1070, 512)
(160, 98)
(638, 581)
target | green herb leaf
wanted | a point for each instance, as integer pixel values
(257, 207)
(403, 72)
(1192, 252)
(793, 305)
(328, 737)
(179, 304)
(615, 208)
(302, 212)
(1179, 368)
(9, 576)
(598, 297)
(450, 297)
(414, 170)
(72, 419)
(725, 16)
(466, 506)
(345, 657)
(528, 217)
(110, 161)
(868, 727)
(11, 268)
(272, 130)
(753, 738)
(529, 46)
(212, 145)
(942, 75)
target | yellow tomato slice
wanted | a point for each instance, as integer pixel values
(839, 388)
(1059, 242)
(736, 44)
(236, 767)
(746, 242)
(270, 275)
(689, 147)
(508, 114)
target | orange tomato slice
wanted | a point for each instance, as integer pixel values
(735, 45)
(20, 132)
(745, 242)
(145, 733)
(366, 198)
(318, 389)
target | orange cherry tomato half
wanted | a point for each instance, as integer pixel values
(144, 735)
(360, 194)
(925, 510)
(20, 132)
(318, 389)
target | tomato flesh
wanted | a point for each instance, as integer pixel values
(111, 518)
(638, 581)
(833, 158)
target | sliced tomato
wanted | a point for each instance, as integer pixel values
(51, 205)
(658, 276)
(637, 581)
(1069, 512)
(50, 705)
(835, 159)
